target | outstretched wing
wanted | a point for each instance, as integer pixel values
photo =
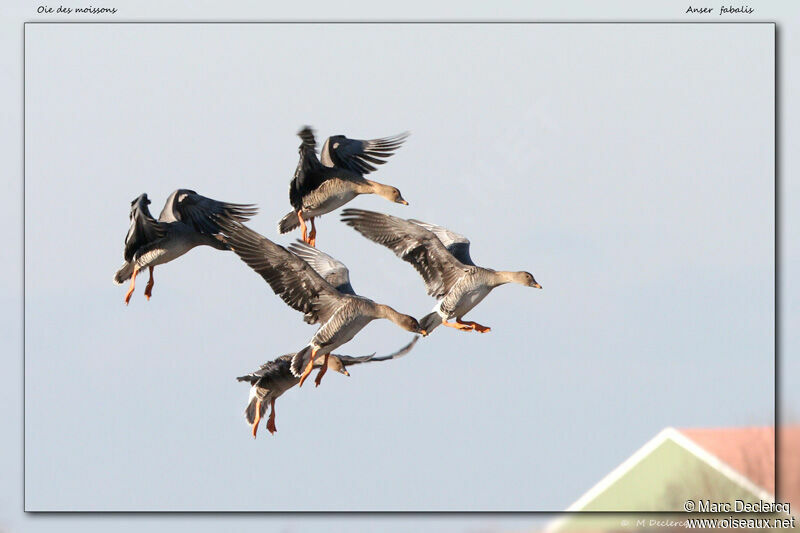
(143, 230)
(359, 156)
(412, 243)
(350, 360)
(274, 369)
(332, 270)
(203, 214)
(290, 277)
(456, 244)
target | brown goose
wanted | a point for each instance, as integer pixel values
(187, 220)
(321, 185)
(442, 259)
(275, 377)
(340, 312)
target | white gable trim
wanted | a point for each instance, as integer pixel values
(712, 460)
(612, 477)
(683, 441)
(621, 470)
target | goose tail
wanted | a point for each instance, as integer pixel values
(300, 360)
(253, 405)
(124, 273)
(288, 223)
(430, 321)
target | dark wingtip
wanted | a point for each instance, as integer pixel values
(352, 216)
(238, 212)
(355, 212)
(141, 198)
(401, 137)
(306, 133)
(228, 225)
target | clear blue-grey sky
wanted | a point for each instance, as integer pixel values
(632, 175)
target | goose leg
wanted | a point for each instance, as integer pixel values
(309, 366)
(303, 227)
(271, 421)
(322, 371)
(457, 325)
(474, 325)
(133, 285)
(257, 419)
(148, 290)
(312, 237)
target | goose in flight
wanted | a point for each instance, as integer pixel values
(442, 259)
(317, 285)
(321, 185)
(275, 377)
(187, 220)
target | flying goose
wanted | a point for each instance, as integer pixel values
(321, 185)
(325, 297)
(442, 259)
(275, 377)
(187, 220)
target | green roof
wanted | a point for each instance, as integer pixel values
(661, 476)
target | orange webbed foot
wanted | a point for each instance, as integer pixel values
(457, 325)
(133, 285)
(303, 227)
(321, 373)
(148, 290)
(271, 421)
(308, 368)
(322, 370)
(312, 236)
(477, 327)
(303, 378)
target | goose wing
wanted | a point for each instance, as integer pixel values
(332, 270)
(310, 173)
(271, 369)
(456, 244)
(143, 230)
(201, 213)
(357, 155)
(351, 360)
(291, 278)
(412, 243)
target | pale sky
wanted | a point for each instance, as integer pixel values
(632, 176)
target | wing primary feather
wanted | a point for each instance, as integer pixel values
(412, 243)
(357, 155)
(289, 276)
